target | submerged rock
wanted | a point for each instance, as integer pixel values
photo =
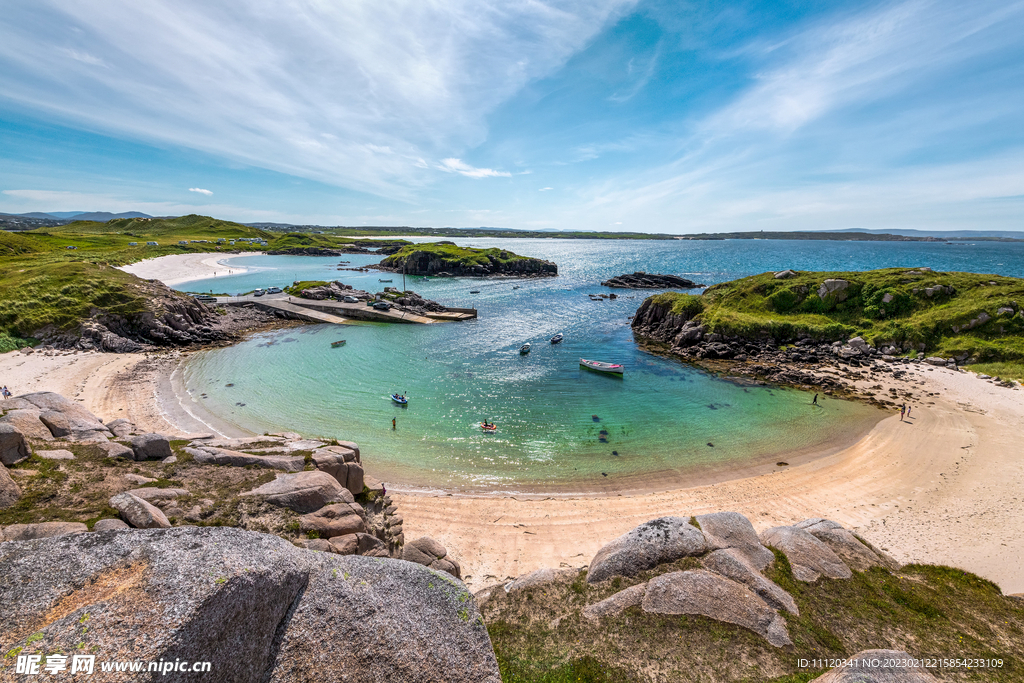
(641, 280)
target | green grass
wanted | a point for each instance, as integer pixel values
(296, 288)
(760, 306)
(8, 343)
(1003, 370)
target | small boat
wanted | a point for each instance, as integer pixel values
(336, 344)
(488, 426)
(557, 339)
(379, 280)
(598, 366)
(474, 291)
(524, 349)
(515, 286)
(400, 399)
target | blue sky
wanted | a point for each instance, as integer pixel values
(592, 114)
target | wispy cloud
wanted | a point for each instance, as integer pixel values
(392, 83)
(200, 191)
(545, 189)
(457, 166)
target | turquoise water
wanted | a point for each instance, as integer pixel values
(658, 419)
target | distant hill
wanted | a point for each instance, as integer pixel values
(104, 216)
(942, 234)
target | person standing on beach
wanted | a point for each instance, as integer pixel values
(7, 394)
(908, 412)
(815, 401)
(903, 410)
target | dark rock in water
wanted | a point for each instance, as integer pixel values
(641, 280)
(252, 604)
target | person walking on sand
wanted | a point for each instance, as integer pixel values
(7, 394)
(903, 410)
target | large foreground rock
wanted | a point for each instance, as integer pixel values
(710, 595)
(303, 491)
(665, 539)
(845, 545)
(151, 447)
(868, 669)
(809, 557)
(10, 492)
(13, 447)
(138, 512)
(341, 464)
(29, 532)
(733, 530)
(430, 553)
(256, 607)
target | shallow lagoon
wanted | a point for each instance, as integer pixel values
(659, 418)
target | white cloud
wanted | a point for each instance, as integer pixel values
(200, 191)
(354, 94)
(457, 166)
(545, 189)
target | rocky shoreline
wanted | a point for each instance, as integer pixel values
(831, 366)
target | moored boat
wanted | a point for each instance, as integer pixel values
(336, 344)
(379, 280)
(557, 339)
(598, 366)
(524, 349)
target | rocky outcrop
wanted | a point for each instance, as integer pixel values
(616, 604)
(733, 564)
(223, 456)
(58, 454)
(665, 539)
(833, 289)
(339, 519)
(342, 464)
(809, 557)
(303, 492)
(430, 553)
(151, 447)
(110, 525)
(251, 603)
(29, 532)
(701, 592)
(120, 428)
(641, 280)
(10, 492)
(138, 513)
(62, 417)
(13, 447)
(733, 530)
(26, 421)
(879, 666)
(426, 262)
(846, 546)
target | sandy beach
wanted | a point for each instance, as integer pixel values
(178, 268)
(944, 486)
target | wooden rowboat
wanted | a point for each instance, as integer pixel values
(598, 366)
(336, 344)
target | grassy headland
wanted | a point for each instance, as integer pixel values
(53, 278)
(946, 314)
(540, 635)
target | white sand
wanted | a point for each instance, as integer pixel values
(178, 268)
(944, 487)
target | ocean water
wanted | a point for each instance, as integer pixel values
(559, 427)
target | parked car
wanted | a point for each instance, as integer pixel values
(382, 306)
(258, 292)
(273, 290)
(349, 299)
(205, 298)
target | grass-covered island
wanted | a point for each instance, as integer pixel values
(972, 318)
(444, 259)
